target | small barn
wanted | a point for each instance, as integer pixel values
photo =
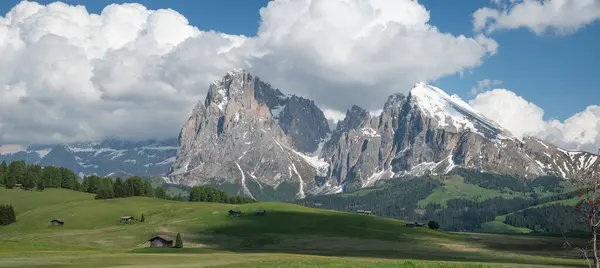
(18, 185)
(261, 212)
(127, 218)
(368, 212)
(161, 241)
(415, 224)
(360, 211)
(235, 213)
(57, 222)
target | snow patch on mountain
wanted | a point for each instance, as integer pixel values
(453, 112)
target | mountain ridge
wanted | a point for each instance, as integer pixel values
(427, 131)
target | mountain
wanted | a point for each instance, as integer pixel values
(248, 138)
(150, 157)
(234, 139)
(429, 131)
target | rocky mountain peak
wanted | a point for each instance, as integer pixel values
(394, 101)
(237, 85)
(250, 138)
(355, 117)
(452, 113)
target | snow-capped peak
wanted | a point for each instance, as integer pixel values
(452, 112)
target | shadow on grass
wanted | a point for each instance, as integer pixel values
(350, 235)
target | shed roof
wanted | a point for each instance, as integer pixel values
(162, 237)
(235, 211)
(57, 220)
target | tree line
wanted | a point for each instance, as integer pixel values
(34, 176)
(7, 215)
(212, 194)
(555, 218)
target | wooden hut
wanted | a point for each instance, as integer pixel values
(235, 213)
(57, 222)
(161, 241)
(261, 212)
(127, 218)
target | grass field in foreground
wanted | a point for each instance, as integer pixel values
(288, 236)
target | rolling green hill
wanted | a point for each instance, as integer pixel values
(288, 236)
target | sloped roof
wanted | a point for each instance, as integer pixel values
(162, 237)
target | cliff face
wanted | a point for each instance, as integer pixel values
(251, 139)
(231, 140)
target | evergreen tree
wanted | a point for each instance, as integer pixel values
(178, 241)
(10, 181)
(32, 175)
(16, 171)
(147, 189)
(160, 192)
(433, 225)
(3, 172)
(41, 184)
(119, 188)
(12, 214)
(51, 176)
(142, 219)
(68, 178)
(7, 215)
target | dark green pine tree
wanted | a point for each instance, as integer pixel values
(41, 184)
(178, 241)
(3, 172)
(147, 189)
(3, 215)
(12, 214)
(160, 192)
(143, 219)
(10, 181)
(30, 179)
(16, 171)
(119, 188)
(51, 176)
(7, 215)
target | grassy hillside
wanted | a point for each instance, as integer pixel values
(288, 236)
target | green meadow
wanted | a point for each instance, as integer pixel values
(287, 236)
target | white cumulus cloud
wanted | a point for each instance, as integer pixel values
(523, 118)
(483, 85)
(134, 73)
(539, 16)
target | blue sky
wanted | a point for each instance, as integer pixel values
(556, 72)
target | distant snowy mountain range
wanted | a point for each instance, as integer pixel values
(150, 157)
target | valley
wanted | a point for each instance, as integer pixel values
(287, 236)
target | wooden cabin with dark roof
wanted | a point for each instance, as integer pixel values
(127, 218)
(235, 213)
(161, 241)
(261, 212)
(57, 222)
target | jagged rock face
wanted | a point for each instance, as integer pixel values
(299, 118)
(429, 131)
(232, 141)
(249, 138)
